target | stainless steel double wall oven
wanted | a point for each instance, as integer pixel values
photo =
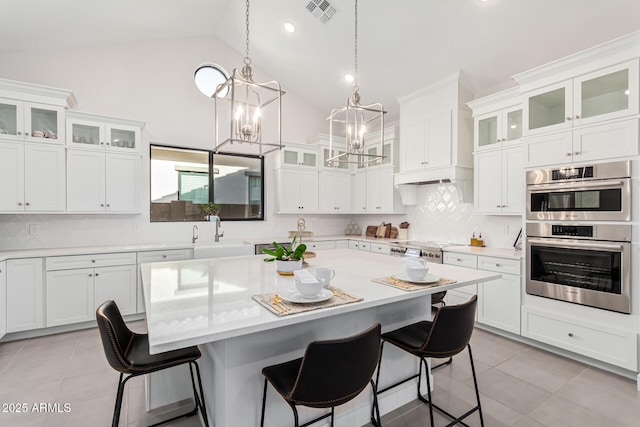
(571, 256)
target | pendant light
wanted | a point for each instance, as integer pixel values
(252, 109)
(354, 123)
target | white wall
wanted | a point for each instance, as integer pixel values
(152, 82)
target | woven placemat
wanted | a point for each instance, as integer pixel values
(408, 286)
(275, 304)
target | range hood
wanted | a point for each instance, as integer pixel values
(408, 183)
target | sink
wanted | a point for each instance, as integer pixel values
(217, 250)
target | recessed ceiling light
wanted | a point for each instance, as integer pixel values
(348, 77)
(289, 27)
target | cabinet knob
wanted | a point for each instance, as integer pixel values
(101, 143)
(577, 117)
(570, 334)
(97, 274)
(27, 204)
(108, 205)
(93, 260)
(102, 205)
(19, 133)
(498, 206)
(90, 275)
(567, 154)
(576, 153)
(19, 203)
(568, 119)
(164, 256)
(108, 143)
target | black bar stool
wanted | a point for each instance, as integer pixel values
(331, 373)
(446, 336)
(128, 353)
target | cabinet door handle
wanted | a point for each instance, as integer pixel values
(108, 205)
(567, 154)
(577, 117)
(27, 204)
(568, 119)
(19, 203)
(97, 274)
(570, 334)
(90, 275)
(498, 206)
(19, 133)
(576, 153)
(164, 256)
(102, 205)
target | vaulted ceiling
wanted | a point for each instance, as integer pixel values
(404, 45)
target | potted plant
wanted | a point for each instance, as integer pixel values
(209, 209)
(287, 259)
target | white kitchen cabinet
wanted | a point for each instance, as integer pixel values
(342, 244)
(102, 182)
(157, 256)
(31, 177)
(609, 140)
(328, 154)
(427, 141)
(605, 94)
(463, 294)
(25, 294)
(359, 192)
(97, 132)
(499, 300)
(78, 284)
(611, 345)
(380, 248)
(318, 246)
(297, 190)
(3, 299)
(499, 182)
(31, 122)
(334, 191)
(354, 244)
(381, 194)
(297, 156)
(497, 129)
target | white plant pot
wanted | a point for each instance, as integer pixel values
(286, 268)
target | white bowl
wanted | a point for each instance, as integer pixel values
(417, 273)
(309, 290)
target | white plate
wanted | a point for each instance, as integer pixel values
(429, 278)
(295, 296)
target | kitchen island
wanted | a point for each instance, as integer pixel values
(209, 303)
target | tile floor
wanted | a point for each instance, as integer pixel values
(519, 385)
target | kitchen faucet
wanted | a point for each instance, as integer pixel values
(218, 235)
(194, 235)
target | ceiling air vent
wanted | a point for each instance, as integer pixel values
(321, 9)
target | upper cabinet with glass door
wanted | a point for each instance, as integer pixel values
(497, 120)
(92, 131)
(292, 155)
(605, 94)
(33, 113)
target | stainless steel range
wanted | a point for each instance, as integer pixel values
(430, 251)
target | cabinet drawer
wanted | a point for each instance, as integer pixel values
(500, 265)
(168, 255)
(354, 244)
(614, 346)
(322, 245)
(364, 246)
(87, 261)
(342, 244)
(380, 248)
(463, 260)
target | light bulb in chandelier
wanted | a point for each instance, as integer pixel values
(247, 130)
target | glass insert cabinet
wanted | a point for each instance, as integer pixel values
(495, 129)
(31, 122)
(96, 132)
(602, 95)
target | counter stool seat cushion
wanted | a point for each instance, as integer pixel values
(142, 361)
(410, 338)
(283, 376)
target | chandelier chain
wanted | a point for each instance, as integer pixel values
(355, 49)
(247, 60)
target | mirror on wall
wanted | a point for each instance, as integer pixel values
(183, 179)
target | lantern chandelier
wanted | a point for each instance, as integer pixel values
(243, 103)
(354, 122)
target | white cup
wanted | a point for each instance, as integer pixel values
(325, 275)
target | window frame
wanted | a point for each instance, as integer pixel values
(212, 165)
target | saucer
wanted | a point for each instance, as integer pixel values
(295, 296)
(429, 278)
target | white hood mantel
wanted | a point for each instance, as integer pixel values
(407, 183)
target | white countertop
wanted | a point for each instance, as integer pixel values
(199, 301)
(485, 251)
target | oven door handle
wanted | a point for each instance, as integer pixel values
(575, 244)
(542, 188)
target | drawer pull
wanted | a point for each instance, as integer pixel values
(164, 256)
(498, 265)
(90, 275)
(97, 274)
(570, 334)
(93, 260)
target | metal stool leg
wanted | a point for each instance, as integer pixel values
(116, 410)
(264, 402)
(475, 383)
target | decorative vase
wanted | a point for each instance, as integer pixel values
(286, 268)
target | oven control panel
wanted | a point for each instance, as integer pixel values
(572, 173)
(572, 230)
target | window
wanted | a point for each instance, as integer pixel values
(183, 179)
